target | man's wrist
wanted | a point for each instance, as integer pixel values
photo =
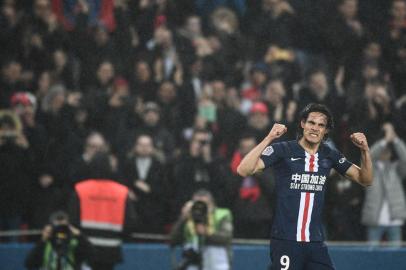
(268, 139)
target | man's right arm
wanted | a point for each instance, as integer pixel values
(176, 235)
(131, 221)
(252, 163)
(84, 250)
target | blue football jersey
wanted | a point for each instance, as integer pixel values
(300, 186)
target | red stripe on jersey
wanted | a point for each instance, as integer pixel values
(305, 216)
(311, 166)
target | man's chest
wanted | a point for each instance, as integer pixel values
(305, 172)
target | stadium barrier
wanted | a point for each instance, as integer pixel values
(247, 254)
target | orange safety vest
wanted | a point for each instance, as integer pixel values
(102, 204)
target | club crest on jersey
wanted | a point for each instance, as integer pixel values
(268, 151)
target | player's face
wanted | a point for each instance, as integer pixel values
(314, 128)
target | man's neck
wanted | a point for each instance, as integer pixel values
(310, 148)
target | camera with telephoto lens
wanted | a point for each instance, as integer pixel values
(204, 142)
(190, 257)
(8, 137)
(60, 238)
(8, 127)
(199, 212)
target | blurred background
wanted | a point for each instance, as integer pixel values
(176, 92)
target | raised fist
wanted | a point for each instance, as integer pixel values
(359, 140)
(277, 131)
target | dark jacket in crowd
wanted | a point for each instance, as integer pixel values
(152, 207)
(14, 179)
(192, 174)
(253, 202)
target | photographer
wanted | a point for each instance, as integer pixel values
(205, 231)
(62, 246)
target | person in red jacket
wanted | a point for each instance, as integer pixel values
(101, 207)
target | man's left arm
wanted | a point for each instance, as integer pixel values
(223, 235)
(84, 249)
(364, 174)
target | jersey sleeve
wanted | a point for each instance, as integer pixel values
(272, 154)
(340, 163)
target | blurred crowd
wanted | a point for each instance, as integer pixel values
(178, 91)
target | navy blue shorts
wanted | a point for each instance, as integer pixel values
(292, 255)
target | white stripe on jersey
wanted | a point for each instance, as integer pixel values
(309, 217)
(304, 216)
(300, 217)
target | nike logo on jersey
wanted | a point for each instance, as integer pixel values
(294, 159)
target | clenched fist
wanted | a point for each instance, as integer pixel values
(277, 131)
(360, 140)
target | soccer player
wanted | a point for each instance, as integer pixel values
(301, 169)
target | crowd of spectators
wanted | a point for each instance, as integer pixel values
(177, 91)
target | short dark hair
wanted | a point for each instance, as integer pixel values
(204, 193)
(99, 166)
(58, 216)
(315, 107)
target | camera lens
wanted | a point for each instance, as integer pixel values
(199, 212)
(204, 142)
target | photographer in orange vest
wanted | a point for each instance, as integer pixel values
(101, 207)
